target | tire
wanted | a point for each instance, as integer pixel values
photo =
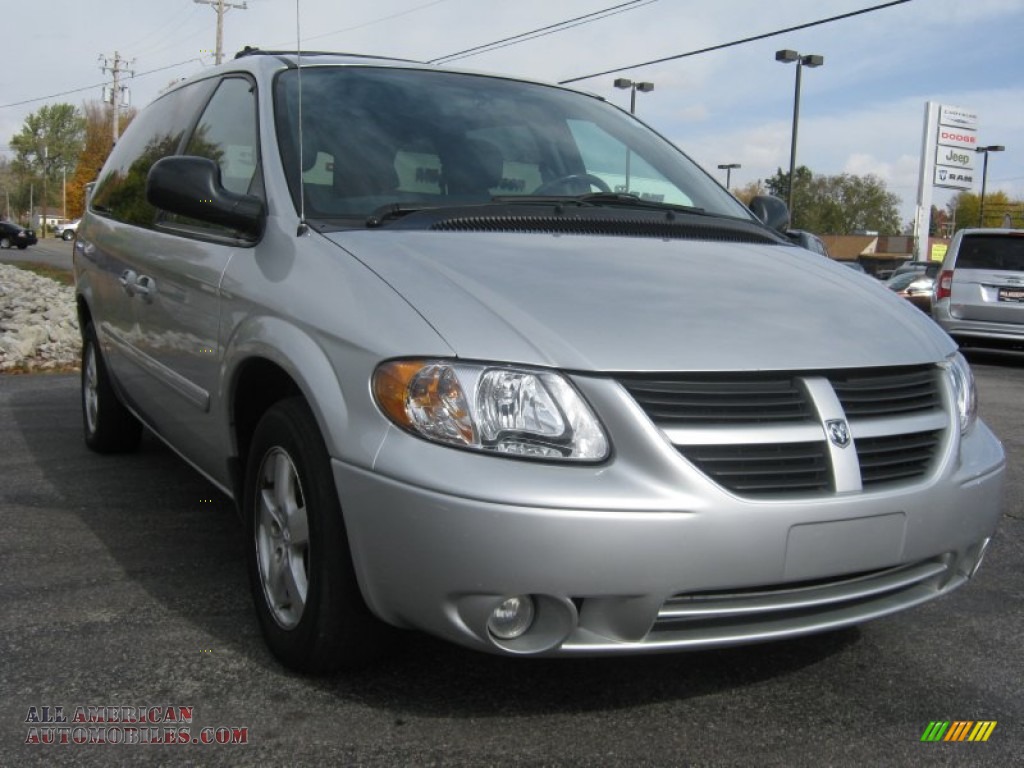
(109, 426)
(67, 234)
(308, 602)
(5, 242)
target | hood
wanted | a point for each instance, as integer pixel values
(606, 303)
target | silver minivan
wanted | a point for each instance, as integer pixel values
(978, 298)
(493, 360)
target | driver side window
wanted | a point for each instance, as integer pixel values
(623, 170)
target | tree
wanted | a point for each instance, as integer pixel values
(939, 223)
(47, 147)
(778, 185)
(98, 143)
(839, 205)
(965, 210)
(749, 191)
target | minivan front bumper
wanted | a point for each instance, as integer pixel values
(631, 575)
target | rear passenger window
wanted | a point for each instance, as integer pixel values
(157, 132)
(992, 252)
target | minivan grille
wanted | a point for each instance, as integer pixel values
(866, 394)
(722, 399)
(760, 435)
(751, 470)
(896, 457)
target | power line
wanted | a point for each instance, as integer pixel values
(96, 85)
(375, 21)
(560, 26)
(751, 39)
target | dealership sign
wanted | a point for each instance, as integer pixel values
(956, 139)
(956, 157)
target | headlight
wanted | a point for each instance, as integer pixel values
(963, 390)
(517, 411)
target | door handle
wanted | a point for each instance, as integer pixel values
(127, 281)
(145, 286)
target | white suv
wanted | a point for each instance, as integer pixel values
(67, 231)
(979, 296)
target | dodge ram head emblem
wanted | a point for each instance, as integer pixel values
(838, 432)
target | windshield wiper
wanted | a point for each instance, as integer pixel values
(392, 211)
(619, 199)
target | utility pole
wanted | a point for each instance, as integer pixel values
(116, 67)
(221, 8)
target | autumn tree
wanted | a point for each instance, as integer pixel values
(97, 146)
(749, 191)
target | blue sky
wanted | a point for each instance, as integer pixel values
(862, 112)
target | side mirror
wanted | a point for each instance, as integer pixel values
(190, 186)
(772, 212)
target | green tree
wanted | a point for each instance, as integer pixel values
(965, 210)
(47, 147)
(839, 205)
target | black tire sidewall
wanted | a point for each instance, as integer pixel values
(117, 430)
(336, 627)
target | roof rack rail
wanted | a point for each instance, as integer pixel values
(251, 50)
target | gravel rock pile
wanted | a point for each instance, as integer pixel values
(38, 326)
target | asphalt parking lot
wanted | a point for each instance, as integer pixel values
(124, 586)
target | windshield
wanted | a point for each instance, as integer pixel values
(380, 136)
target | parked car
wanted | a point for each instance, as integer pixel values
(979, 295)
(915, 287)
(456, 383)
(856, 266)
(12, 235)
(67, 231)
(927, 268)
(811, 242)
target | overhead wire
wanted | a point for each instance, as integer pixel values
(97, 85)
(751, 39)
(399, 14)
(550, 29)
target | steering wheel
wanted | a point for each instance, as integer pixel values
(565, 183)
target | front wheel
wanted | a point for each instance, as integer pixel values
(307, 599)
(67, 234)
(5, 242)
(109, 426)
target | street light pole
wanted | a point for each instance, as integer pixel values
(727, 167)
(625, 82)
(809, 60)
(984, 176)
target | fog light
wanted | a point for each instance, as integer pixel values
(511, 618)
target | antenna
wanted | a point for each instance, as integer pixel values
(303, 227)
